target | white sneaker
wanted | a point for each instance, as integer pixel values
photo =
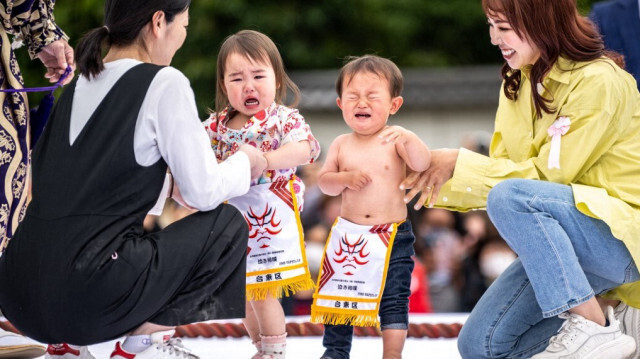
(579, 338)
(163, 347)
(629, 318)
(64, 351)
(19, 347)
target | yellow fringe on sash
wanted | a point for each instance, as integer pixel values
(290, 286)
(364, 318)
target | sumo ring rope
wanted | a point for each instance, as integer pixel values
(304, 329)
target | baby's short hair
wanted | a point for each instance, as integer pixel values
(373, 64)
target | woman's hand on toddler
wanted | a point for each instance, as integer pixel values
(429, 182)
(256, 159)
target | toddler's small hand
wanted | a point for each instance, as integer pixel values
(392, 134)
(356, 180)
(256, 158)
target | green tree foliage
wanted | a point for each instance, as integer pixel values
(313, 34)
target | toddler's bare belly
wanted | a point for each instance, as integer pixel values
(371, 208)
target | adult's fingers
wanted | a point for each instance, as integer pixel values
(435, 192)
(437, 179)
(57, 57)
(411, 180)
(417, 183)
(68, 52)
(69, 55)
(422, 200)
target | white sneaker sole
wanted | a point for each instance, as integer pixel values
(83, 355)
(630, 325)
(620, 348)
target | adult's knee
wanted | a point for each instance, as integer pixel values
(505, 196)
(470, 343)
(478, 341)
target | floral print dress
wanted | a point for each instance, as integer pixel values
(267, 130)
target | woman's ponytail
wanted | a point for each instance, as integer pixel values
(89, 52)
(125, 20)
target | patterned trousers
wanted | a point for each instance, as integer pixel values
(14, 145)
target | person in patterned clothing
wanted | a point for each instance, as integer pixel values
(30, 22)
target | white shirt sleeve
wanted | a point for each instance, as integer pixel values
(162, 199)
(168, 126)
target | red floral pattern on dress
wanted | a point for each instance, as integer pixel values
(213, 126)
(288, 127)
(234, 147)
(261, 115)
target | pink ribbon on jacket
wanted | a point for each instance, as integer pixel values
(558, 128)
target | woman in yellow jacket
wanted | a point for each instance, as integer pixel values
(561, 184)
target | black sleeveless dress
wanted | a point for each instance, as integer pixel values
(79, 269)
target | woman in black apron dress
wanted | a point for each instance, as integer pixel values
(88, 273)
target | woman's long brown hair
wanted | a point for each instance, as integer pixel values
(557, 29)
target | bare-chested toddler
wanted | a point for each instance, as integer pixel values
(366, 268)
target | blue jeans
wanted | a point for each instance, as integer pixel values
(394, 305)
(565, 258)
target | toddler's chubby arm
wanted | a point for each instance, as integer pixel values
(332, 181)
(289, 155)
(297, 145)
(410, 148)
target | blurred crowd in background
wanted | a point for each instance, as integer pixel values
(458, 255)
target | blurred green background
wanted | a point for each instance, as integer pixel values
(311, 34)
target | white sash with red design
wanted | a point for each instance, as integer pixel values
(276, 260)
(353, 273)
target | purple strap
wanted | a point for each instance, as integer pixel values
(42, 89)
